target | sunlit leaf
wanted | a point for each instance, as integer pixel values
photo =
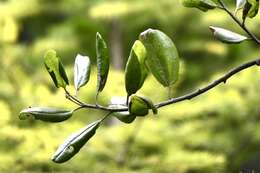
(102, 62)
(81, 71)
(135, 71)
(55, 69)
(162, 56)
(240, 4)
(227, 36)
(75, 142)
(140, 52)
(203, 5)
(45, 114)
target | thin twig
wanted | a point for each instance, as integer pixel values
(72, 98)
(223, 79)
(90, 106)
(250, 34)
(74, 101)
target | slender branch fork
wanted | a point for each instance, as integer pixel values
(251, 35)
(190, 95)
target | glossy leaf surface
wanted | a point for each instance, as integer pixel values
(55, 69)
(118, 103)
(240, 4)
(227, 36)
(125, 117)
(135, 71)
(162, 56)
(45, 114)
(102, 62)
(75, 142)
(81, 71)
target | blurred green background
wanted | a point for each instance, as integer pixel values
(218, 132)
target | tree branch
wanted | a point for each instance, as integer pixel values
(250, 34)
(83, 105)
(200, 91)
(188, 96)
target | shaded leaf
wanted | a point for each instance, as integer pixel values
(138, 106)
(162, 56)
(102, 62)
(81, 71)
(250, 9)
(118, 103)
(135, 71)
(45, 114)
(149, 103)
(203, 5)
(254, 8)
(75, 142)
(125, 117)
(55, 69)
(227, 36)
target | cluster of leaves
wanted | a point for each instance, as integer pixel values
(154, 52)
(250, 9)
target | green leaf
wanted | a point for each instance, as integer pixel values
(45, 114)
(140, 106)
(125, 117)
(102, 62)
(250, 9)
(119, 103)
(162, 56)
(75, 142)
(227, 36)
(135, 71)
(203, 5)
(254, 8)
(55, 69)
(149, 103)
(140, 52)
(81, 71)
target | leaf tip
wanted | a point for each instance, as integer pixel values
(50, 52)
(145, 33)
(82, 71)
(23, 115)
(212, 28)
(98, 35)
